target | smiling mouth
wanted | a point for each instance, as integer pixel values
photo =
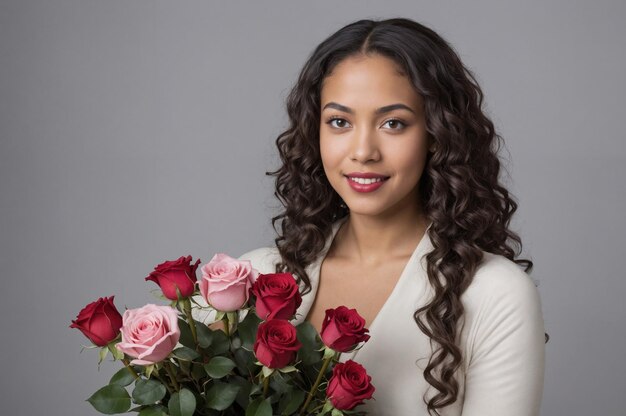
(366, 181)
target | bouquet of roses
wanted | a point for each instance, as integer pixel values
(249, 360)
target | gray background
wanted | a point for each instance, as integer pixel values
(137, 131)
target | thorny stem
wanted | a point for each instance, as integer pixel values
(317, 382)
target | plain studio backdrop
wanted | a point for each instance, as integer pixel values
(132, 132)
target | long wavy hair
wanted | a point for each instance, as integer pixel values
(469, 208)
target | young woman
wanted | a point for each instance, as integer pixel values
(392, 206)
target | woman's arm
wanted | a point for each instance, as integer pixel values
(505, 373)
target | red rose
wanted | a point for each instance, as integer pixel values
(277, 296)
(349, 385)
(99, 321)
(343, 329)
(276, 343)
(172, 274)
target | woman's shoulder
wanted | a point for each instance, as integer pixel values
(263, 259)
(500, 285)
(497, 274)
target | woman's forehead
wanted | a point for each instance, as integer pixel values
(364, 83)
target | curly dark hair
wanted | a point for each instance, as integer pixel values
(468, 207)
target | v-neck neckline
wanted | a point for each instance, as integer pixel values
(314, 271)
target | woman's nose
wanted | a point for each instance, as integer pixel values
(365, 145)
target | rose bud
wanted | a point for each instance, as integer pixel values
(99, 321)
(226, 281)
(277, 296)
(349, 385)
(343, 329)
(276, 343)
(179, 274)
(149, 333)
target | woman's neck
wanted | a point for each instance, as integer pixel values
(372, 240)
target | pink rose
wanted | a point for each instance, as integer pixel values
(225, 282)
(149, 333)
(174, 274)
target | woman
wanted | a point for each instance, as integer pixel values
(422, 248)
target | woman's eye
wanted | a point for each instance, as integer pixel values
(395, 122)
(341, 123)
(341, 120)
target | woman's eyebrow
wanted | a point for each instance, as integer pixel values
(381, 110)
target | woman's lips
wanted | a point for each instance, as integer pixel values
(360, 187)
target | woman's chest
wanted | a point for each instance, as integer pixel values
(365, 289)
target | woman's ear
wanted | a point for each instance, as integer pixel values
(433, 146)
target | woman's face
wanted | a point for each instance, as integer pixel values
(358, 134)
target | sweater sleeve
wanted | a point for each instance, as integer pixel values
(262, 259)
(506, 344)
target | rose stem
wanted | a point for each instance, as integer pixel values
(315, 409)
(192, 324)
(166, 384)
(170, 372)
(266, 384)
(132, 370)
(226, 325)
(317, 383)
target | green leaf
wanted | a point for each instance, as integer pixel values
(245, 386)
(221, 395)
(233, 317)
(185, 334)
(179, 296)
(336, 412)
(182, 403)
(247, 329)
(280, 385)
(220, 344)
(328, 406)
(329, 352)
(292, 402)
(148, 391)
(153, 411)
(219, 367)
(117, 354)
(259, 407)
(122, 377)
(205, 335)
(185, 353)
(110, 400)
(245, 361)
(307, 335)
(288, 369)
(185, 366)
(197, 371)
(102, 354)
(219, 315)
(148, 369)
(267, 371)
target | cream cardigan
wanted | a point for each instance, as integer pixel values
(501, 338)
